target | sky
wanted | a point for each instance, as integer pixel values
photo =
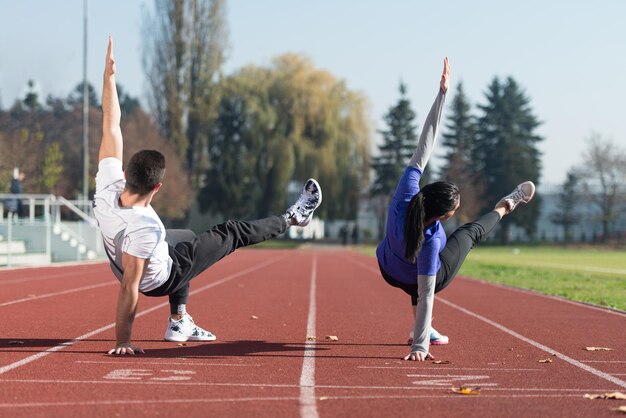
(569, 56)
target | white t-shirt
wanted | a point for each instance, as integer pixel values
(136, 230)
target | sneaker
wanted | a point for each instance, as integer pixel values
(186, 330)
(301, 212)
(523, 193)
(435, 338)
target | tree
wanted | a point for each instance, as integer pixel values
(566, 214)
(31, 100)
(75, 98)
(43, 145)
(399, 143)
(459, 139)
(285, 123)
(184, 43)
(128, 104)
(506, 150)
(52, 168)
(603, 175)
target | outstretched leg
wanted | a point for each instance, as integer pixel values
(464, 238)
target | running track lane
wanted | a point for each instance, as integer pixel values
(266, 367)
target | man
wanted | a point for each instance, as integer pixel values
(143, 255)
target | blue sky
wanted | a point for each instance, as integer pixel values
(569, 56)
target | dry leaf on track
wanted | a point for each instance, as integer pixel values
(442, 362)
(612, 395)
(182, 345)
(332, 338)
(621, 409)
(311, 338)
(546, 360)
(254, 317)
(463, 390)
(597, 349)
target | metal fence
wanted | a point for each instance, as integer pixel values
(39, 229)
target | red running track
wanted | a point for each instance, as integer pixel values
(266, 367)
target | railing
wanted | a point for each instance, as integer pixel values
(27, 216)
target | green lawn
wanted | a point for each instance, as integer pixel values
(593, 276)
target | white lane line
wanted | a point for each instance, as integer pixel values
(517, 289)
(191, 363)
(551, 297)
(308, 407)
(281, 386)
(72, 274)
(61, 346)
(263, 399)
(451, 368)
(549, 350)
(603, 361)
(540, 346)
(63, 292)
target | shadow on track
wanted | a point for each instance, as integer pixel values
(226, 349)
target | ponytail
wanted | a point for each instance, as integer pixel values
(435, 199)
(414, 226)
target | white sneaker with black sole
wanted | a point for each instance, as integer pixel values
(523, 193)
(185, 329)
(301, 212)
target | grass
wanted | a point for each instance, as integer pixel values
(584, 275)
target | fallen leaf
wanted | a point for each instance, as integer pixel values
(181, 345)
(612, 395)
(332, 338)
(621, 409)
(254, 317)
(16, 342)
(442, 362)
(323, 398)
(597, 349)
(546, 360)
(311, 338)
(463, 390)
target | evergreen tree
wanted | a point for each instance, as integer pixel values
(566, 214)
(506, 150)
(458, 139)
(75, 98)
(399, 143)
(31, 100)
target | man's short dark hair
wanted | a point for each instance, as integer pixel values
(144, 171)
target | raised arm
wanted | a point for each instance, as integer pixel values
(112, 142)
(428, 136)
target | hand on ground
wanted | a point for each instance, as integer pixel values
(123, 349)
(419, 356)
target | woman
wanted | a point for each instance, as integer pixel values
(415, 254)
